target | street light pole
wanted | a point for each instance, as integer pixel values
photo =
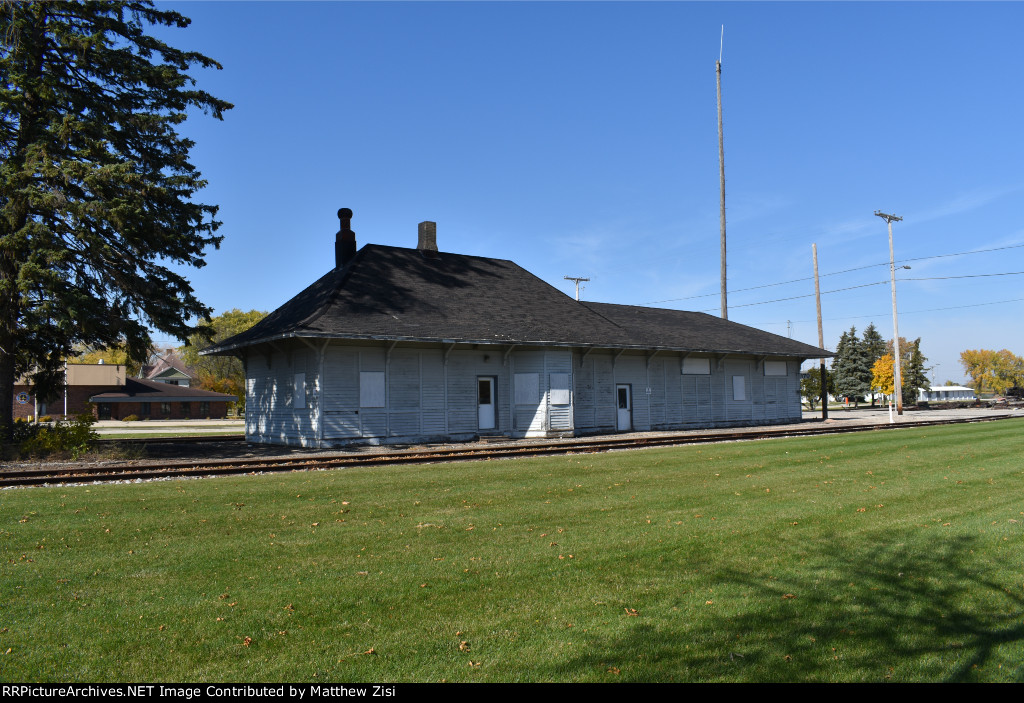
(897, 378)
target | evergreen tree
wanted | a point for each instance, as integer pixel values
(874, 349)
(850, 369)
(914, 377)
(912, 373)
(96, 185)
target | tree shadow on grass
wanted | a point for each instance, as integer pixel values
(847, 612)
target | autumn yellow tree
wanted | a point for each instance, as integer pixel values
(995, 371)
(980, 365)
(221, 374)
(114, 354)
(882, 375)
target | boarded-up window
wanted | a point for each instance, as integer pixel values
(299, 393)
(527, 391)
(559, 388)
(739, 387)
(697, 366)
(371, 389)
(775, 368)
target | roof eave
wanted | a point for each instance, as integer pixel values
(809, 354)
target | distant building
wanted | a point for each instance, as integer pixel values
(159, 401)
(946, 394)
(108, 393)
(169, 368)
(403, 345)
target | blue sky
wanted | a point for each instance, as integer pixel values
(580, 139)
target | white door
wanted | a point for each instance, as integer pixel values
(485, 402)
(624, 399)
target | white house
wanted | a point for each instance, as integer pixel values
(412, 344)
(946, 394)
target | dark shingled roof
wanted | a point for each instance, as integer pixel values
(697, 331)
(139, 390)
(394, 293)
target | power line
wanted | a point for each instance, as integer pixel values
(809, 295)
(909, 312)
(837, 273)
(964, 253)
(972, 275)
(877, 283)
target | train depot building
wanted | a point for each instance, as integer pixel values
(408, 345)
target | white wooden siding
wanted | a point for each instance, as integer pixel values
(271, 399)
(424, 396)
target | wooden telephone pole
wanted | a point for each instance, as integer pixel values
(897, 379)
(578, 280)
(821, 337)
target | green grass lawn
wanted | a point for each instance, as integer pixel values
(895, 555)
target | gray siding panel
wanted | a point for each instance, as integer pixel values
(425, 397)
(341, 394)
(270, 386)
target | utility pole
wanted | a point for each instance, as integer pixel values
(897, 378)
(821, 337)
(721, 171)
(577, 279)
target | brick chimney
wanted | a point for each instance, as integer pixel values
(428, 236)
(345, 240)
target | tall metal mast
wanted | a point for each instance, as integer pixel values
(897, 377)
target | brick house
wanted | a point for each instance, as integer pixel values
(107, 392)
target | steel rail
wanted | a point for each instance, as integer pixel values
(221, 467)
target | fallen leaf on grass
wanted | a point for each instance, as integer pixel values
(463, 646)
(631, 612)
(247, 641)
(787, 596)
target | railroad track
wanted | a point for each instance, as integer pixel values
(221, 467)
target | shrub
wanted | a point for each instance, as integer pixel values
(45, 418)
(130, 418)
(73, 436)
